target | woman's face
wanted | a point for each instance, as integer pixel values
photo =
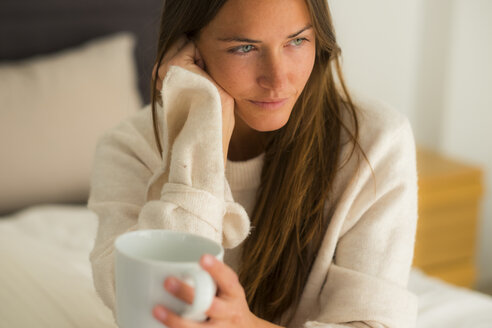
(275, 63)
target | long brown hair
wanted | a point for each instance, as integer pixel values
(300, 164)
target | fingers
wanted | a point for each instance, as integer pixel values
(172, 320)
(229, 289)
(175, 47)
(226, 279)
(180, 289)
(173, 50)
(218, 309)
(186, 55)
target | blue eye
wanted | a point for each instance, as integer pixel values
(245, 49)
(301, 39)
(236, 50)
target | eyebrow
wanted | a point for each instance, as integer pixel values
(243, 39)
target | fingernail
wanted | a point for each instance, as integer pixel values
(160, 313)
(208, 260)
(172, 284)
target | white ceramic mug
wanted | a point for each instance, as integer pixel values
(144, 259)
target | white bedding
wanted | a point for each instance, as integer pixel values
(45, 274)
(45, 277)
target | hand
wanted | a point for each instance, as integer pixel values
(185, 54)
(229, 308)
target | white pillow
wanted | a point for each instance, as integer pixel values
(53, 108)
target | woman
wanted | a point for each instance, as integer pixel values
(257, 144)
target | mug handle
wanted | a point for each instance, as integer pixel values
(205, 290)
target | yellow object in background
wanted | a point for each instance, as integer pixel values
(449, 207)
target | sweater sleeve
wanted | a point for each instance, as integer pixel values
(366, 284)
(195, 197)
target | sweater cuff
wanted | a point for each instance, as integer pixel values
(236, 224)
(200, 203)
(227, 218)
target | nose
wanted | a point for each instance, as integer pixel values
(273, 73)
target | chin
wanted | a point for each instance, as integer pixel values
(264, 120)
(268, 126)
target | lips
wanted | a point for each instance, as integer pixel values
(270, 100)
(269, 103)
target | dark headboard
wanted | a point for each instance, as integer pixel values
(31, 27)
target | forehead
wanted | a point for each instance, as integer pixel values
(259, 18)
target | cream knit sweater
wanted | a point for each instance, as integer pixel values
(360, 275)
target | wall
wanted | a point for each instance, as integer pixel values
(379, 46)
(466, 130)
(430, 59)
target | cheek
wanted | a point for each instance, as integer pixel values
(303, 66)
(232, 74)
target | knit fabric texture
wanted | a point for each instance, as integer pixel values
(360, 275)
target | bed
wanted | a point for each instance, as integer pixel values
(69, 71)
(46, 279)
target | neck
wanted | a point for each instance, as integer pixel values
(245, 143)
